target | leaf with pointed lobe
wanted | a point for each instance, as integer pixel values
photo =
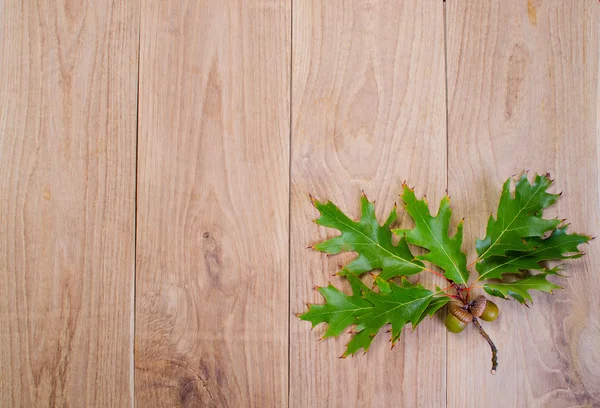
(371, 241)
(519, 289)
(431, 233)
(518, 217)
(340, 310)
(406, 303)
(559, 245)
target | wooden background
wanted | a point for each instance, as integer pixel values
(155, 163)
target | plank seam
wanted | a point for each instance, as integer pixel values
(290, 203)
(445, 30)
(135, 224)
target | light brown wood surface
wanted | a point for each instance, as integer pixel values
(523, 94)
(212, 237)
(368, 112)
(178, 287)
(68, 81)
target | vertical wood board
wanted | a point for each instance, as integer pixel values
(213, 200)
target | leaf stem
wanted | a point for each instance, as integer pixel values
(472, 263)
(448, 287)
(458, 295)
(459, 291)
(436, 273)
(459, 288)
(474, 282)
(491, 343)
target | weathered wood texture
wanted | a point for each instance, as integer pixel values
(356, 92)
(68, 81)
(369, 111)
(523, 94)
(212, 237)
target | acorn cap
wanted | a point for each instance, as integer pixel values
(478, 305)
(460, 313)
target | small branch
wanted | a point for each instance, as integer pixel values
(491, 343)
(459, 291)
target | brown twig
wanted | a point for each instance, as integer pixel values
(491, 343)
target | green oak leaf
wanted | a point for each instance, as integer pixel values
(519, 289)
(383, 285)
(518, 218)
(372, 242)
(340, 310)
(436, 304)
(361, 340)
(559, 245)
(370, 311)
(406, 303)
(431, 233)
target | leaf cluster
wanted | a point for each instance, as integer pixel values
(518, 244)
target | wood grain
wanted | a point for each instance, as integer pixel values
(523, 94)
(368, 112)
(213, 204)
(68, 80)
(218, 234)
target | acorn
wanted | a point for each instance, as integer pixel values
(477, 306)
(491, 312)
(454, 325)
(458, 318)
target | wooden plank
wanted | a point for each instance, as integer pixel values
(68, 81)
(213, 204)
(368, 112)
(523, 94)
